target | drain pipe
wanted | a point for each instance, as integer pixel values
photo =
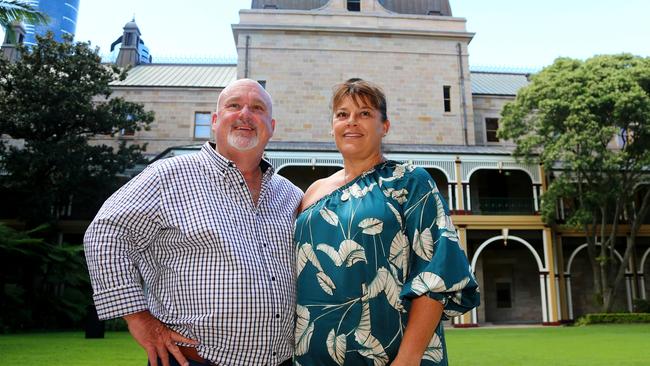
(459, 48)
(248, 44)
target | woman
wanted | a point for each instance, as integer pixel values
(378, 260)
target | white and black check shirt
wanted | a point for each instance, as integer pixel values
(185, 241)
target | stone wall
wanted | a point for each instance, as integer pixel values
(174, 119)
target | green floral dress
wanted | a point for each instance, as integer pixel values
(363, 252)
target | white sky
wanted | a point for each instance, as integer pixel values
(509, 33)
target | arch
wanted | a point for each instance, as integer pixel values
(515, 238)
(475, 169)
(578, 249)
(643, 259)
(308, 165)
(438, 169)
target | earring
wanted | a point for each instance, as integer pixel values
(331, 133)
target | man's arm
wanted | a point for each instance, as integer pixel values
(123, 228)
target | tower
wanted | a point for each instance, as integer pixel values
(14, 36)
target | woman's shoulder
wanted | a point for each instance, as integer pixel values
(319, 189)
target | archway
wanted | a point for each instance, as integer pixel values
(303, 176)
(511, 282)
(578, 278)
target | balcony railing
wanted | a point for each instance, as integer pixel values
(504, 206)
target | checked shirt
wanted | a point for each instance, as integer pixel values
(185, 241)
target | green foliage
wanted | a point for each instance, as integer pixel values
(570, 115)
(588, 124)
(614, 318)
(42, 285)
(16, 10)
(641, 306)
(52, 102)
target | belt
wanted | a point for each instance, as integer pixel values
(191, 354)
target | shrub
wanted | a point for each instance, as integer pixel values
(613, 318)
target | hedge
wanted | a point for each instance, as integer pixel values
(614, 318)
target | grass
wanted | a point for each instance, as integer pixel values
(595, 345)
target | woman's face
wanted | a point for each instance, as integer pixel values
(358, 129)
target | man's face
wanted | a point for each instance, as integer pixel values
(243, 123)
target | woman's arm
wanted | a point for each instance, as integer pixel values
(424, 316)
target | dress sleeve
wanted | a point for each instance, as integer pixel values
(438, 267)
(123, 227)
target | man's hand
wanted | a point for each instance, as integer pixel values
(156, 339)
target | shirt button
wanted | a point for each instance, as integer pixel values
(277, 315)
(273, 278)
(275, 353)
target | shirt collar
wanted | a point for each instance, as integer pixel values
(209, 150)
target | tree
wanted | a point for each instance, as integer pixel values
(52, 102)
(17, 11)
(588, 123)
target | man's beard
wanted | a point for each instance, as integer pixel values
(242, 143)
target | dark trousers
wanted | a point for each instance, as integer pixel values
(173, 362)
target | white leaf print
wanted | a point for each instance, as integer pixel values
(325, 283)
(384, 281)
(336, 347)
(304, 330)
(423, 244)
(377, 284)
(398, 254)
(459, 286)
(356, 191)
(434, 350)
(371, 226)
(400, 195)
(306, 253)
(372, 349)
(398, 216)
(452, 313)
(330, 216)
(451, 235)
(350, 252)
(397, 174)
(427, 281)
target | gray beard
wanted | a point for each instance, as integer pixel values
(242, 143)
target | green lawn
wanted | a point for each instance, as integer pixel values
(615, 345)
(594, 345)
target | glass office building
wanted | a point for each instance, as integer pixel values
(62, 15)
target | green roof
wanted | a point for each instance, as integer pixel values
(495, 83)
(179, 76)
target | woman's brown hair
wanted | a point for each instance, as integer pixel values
(361, 90)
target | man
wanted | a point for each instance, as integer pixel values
(197, 248)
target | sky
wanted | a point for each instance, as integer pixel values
(508, 33)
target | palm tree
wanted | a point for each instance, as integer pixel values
(19, 10)
(12, 10)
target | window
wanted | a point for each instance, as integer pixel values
(354, 5)
(128, 132)
(446, 97)
(202, 124)
(504, 295)
(491, 127)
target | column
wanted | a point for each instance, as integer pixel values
(460, 205)
(549, 260)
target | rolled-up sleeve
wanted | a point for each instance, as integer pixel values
(114, 241)
(438, 267)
